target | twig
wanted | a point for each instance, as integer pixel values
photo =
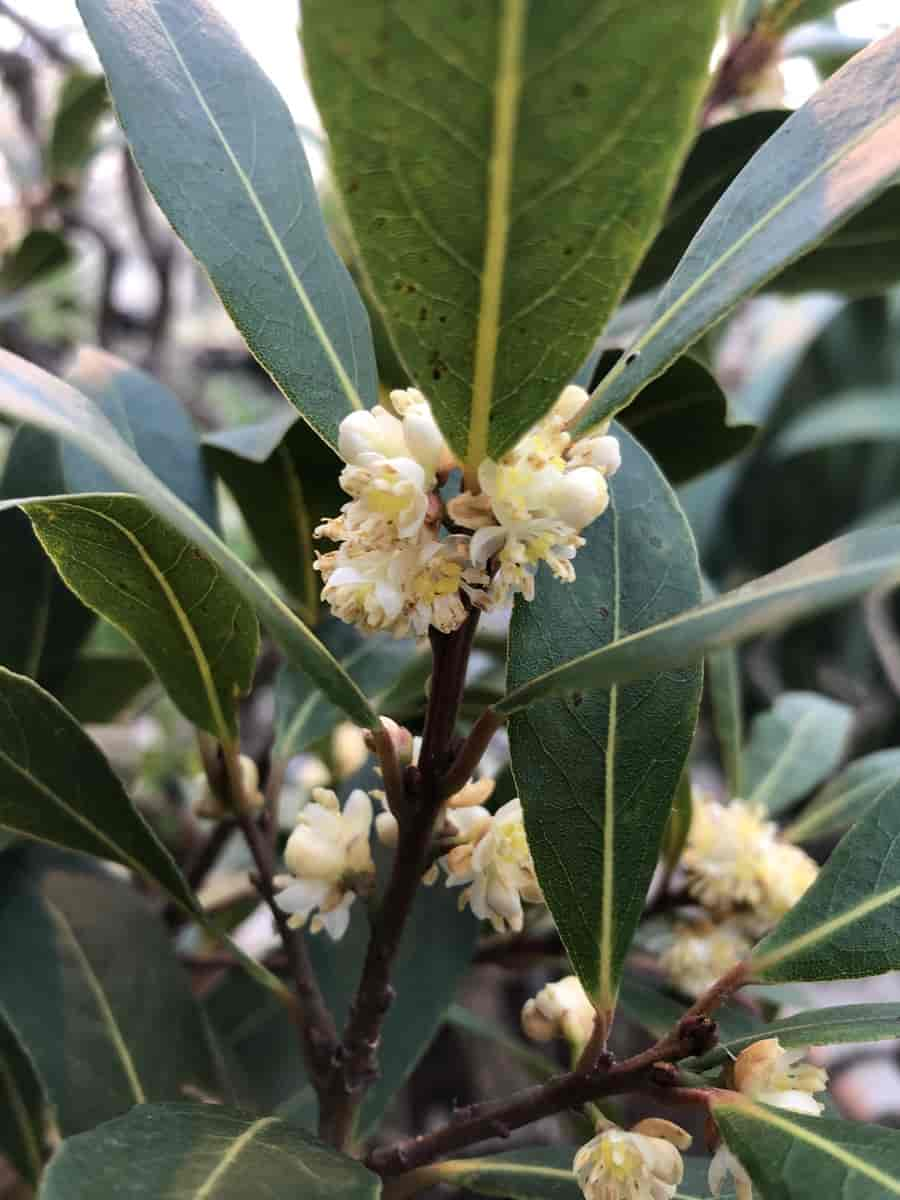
(40, 37)
(424, 796)
(886, 643)
(472, 751)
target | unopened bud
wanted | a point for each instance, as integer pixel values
(475, 792)
(401, 739)
(208, 804)
(349, 749)
(387, 830)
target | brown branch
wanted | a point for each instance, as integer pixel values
(424, 796)
(472, 751)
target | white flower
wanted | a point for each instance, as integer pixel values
(207, 804)
(560, 1009)
(365, 437)
(702, 952)
(367, 588)
(772, 1075)
(724, 1164)
(498, 869)
(435, 586)
(390, 501)
(331, 861)
(424, 441)
(644, 1164)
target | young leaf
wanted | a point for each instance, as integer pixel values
(829, 159)
(82, 102)
(515, 160)
(822, 1027)
(189, 620)
(801, 1158)
(226, 165)
(596, 773)
(844, 927)
(153, 422)
(31, 395)
(824, 578)
(792, 747)
(24, 1118)
(203, 1152)
(847, 797)
(285, 482)
(97, 995)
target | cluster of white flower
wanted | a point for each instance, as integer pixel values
(745, 878)
(644, 1163)
(768, 1074)
(560, 1009)
(394, 571)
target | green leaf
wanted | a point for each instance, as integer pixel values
(24, 1119)
(285, 482)
(71, 797)
(514, 161)
(824, 578)
(188, 620)
(847, 797)
(678, 825)
(226, 165)
(597, 773)
(792, 747)
(821, 1027)
(99, 686)
(826, 162)
(97, 996)
(153, 422)
(659, 1013)
(41, 253)
(845, 926)
(723, 675)
(31, 395)
(82, 101)
(798, 1158)
(684, 419)
(203, 1152)
(783, 14)
(867, 415)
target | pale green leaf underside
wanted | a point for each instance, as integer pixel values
(34, 397)
(831, 157)
(225, 162)
(513, 165)
(825, 578)
(847, 796)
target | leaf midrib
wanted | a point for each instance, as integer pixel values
(230, 1156)
(607, 990)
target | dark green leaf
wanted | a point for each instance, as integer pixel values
(30, 395)
(865, 416)
(285, 482)
(97, 995)
(24, 1119)
(822, 1027)
(151, 420)
(189, 620)
(203, 1152)
(597, 772)
(845, 926)
(99, 686)
(790, 1157)
(792, 747)
(82, 101)
(825, 163)
(847, 797)
(514, 161)
(224, 161)
(40, 253)
(825, 578)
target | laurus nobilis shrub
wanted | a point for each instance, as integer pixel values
(515, 178)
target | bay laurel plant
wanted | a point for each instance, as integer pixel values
(489, 621)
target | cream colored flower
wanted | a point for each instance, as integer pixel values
(769, 1074)
(560, 1009)
(787, 874)
(368, 588)
(475, 792)
(643, 1164)
(330, 859)
(701, 953)
(365, 437)
(498, 869)
(208, 805)
(435, 586)
(390, 501)
(424, 440)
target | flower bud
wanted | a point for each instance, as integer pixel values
(572, 399)
(560, 1009)
(209, 805)
(387, 830)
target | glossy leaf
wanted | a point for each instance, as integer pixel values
(100, 686)
(792, 747)
(847, 797)
(24, 1117)
(153, 422)
(864, 416)
(189, 620)
(203, 1152)
(82, 101)
(848, 1023)
(596, 773)
(97, 995)
(516, 158)
(30, 395)
(41, 253)
(224, 160)
(285, 482)
(825, 578)
(799, 1158)
(827, 161)
(844, 927)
